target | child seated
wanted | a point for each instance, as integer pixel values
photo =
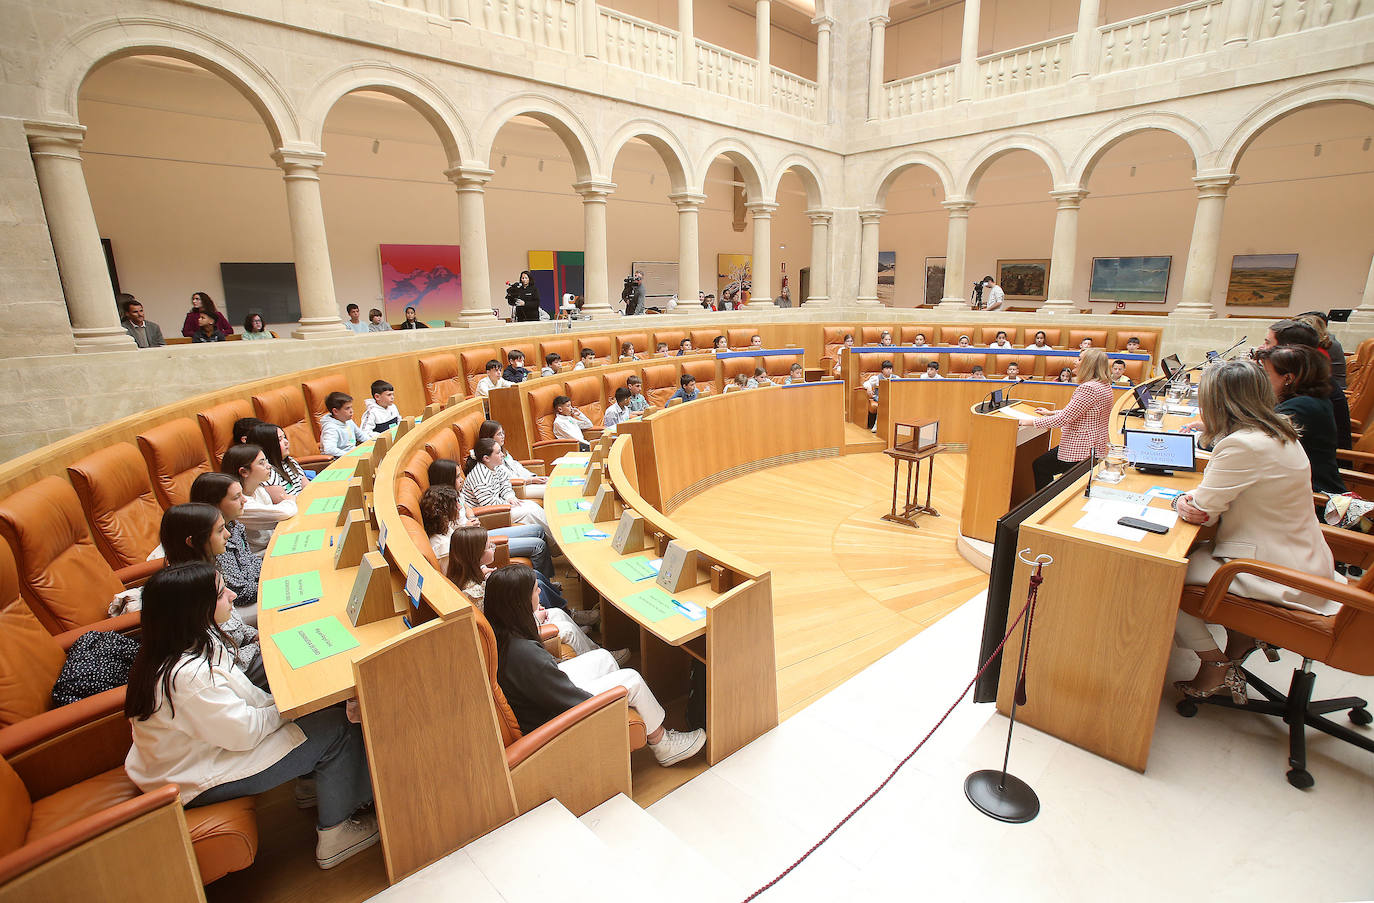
(932, 371)
(586, 359)
(1119, 377)
(1133, 345)
(755, 341)
(687, 390)
(1001, 340)
(795, 376)
(380, 412)
(339, 435)
(738, 383)
(720, 344)
(638, 403)
(661, 349)
(885, 338)
(1013, 370)
(618, 412)
(871, 387)
(627, 352)
(286, 470)
(539, 688)
(487, 483)
(963, 341)
(920, 339)
(493, 379)
(551, 362)
(264, 506)
(531, 484)
(515, 371)
(239, 567)
(444, 509)
(569, 422)
(977, 372)
(684, 347)
(761, 378)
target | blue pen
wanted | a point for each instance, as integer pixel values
(298, 604)
(682, 608)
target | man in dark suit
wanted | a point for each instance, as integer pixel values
(145, 333)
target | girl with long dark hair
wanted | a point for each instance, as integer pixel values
(237, 564)
(286, 470)
(264, 505)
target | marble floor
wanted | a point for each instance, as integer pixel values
(1212, 819)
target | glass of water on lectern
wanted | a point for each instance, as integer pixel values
(1154, 416)
(1174, 393)
(1113, 465)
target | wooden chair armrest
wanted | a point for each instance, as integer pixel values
(548, 635)
(67, 745)
(1325, 587)
(1347, 546)
(594, 433)
(553, 449)
(1357, 457)
(593, 734)
(501, 555)
(138, 574)
(1359, 481)
(493, 517)
(310, 460)
(858, 406)
(535, 466)
(521, 750)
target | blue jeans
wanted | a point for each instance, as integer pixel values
(527, 541)
(333, 750)
(548, 596)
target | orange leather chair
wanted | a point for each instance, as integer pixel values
(445, 444)
(914, 362)
(963, 364)
(660, 382)
(739, 339)
(1076, 337)
(868, 364)
(1052, 336)
(442, 379)
(949, 335)
(467, 427)
(175, 454)
(909, 334)
(779, 366)
(601, 346)
(733, 366)
(531, 350)
(1344, 641)
(638, 339)
(113, 487)
(585, 392)
(286, 408)
(705, 372)
(472, 363)
(1149, 339)
(316, 391)
(217, 425)
(988, 334)
(544, 445)
(566, 349)
(1026, 362)
(873, 335)
(703, 339)
(673, 337)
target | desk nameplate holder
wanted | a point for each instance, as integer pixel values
(594, 475)
(371, 599)
(679, 568)
(454, 399)
(601, 449)
(352, 544)
(406, 425)
(432, 409)
(630, 536)
(353, 501)
(381, 446)
(605, 506)
(364, 471)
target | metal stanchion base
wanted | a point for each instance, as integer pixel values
(1008, 799)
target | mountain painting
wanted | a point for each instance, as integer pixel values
(1261, 280)
(426, 277)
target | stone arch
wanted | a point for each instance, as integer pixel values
(999, 147)
(893, 170)
(566, 124)
(664, 142)
(80, 52)
(806, 171)
(1266, 114)
(1114, 133)
(419, 93)
(742, 156)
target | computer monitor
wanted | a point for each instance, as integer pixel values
(997, 398)
(1160, 452)
(1143, 396)
(1171, 365)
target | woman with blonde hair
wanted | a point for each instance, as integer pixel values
(1257, 490)
(1083, 423)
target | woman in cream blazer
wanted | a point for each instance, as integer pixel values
(1257, 491)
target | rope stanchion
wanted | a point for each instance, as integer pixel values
(1030, 602)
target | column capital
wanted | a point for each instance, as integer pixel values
(299, 163)
(1214, 185)
(878, 21)
(958, 207)
(469, 178)
(1069, 198)
(594, 190)
(871, 215)
(761, 209)
(823, 23)
(56, 138)
(820, 217)
(688, 200)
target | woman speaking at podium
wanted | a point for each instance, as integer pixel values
(1084, 422)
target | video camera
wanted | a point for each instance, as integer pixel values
(976, 297)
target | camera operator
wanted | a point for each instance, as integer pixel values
(523, 297)
(994, 293)
(634, 294)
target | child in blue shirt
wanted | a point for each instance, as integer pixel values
(339, 435)
(688, 390)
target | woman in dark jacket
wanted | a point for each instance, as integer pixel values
(1301, 377)
(523, 296)
(203, 303)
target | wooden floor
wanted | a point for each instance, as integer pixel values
(848, 588)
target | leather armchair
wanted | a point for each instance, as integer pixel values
(113, 487)
(739, 338)
(285, 407)
(779, 366)
(988, 334)
(217, 425)
(601, 347)
(873, 335)
(441, 378)
(705, 372)
(585, 392)
(909, 334)
(1076, 337)
(660, 382)
(316, 391)
(949, 334)
(640, 341)
(472, 363)
(175, 453)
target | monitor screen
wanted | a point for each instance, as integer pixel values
(1174, 451)
(1143, 395)
(1171, 365)
(997, 398)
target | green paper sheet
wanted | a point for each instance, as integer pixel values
(300, 541)
(566, 480)
(578, 533)
(334, 473)
(572, 506)
(313, 642)
(289, 590)
(327, 505)
(653, 604)
(359, 450)
(635, 569)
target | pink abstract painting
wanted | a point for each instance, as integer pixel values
(426, 277)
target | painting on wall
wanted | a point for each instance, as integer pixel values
(733, 274)
(555, 274)
(935, 281)
(425, 277)
(1261, 280)
(887, 277)
(1141, 279)
(1024, 280)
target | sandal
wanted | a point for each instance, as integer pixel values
(1232, 680)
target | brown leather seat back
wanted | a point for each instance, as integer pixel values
(609, 383)
(408, 494)
(467, 427)
(779, 366)
(566, 349)
(1149, 339)
(600, 345)
(1135, 370)
(963, 364)
(988, 334)
(541, 409)
(1076, 337)
(531, 351)
(16, 809)
(417, 468)
(285, 406)
(1027, 363)
(673, 337)
(949, 335)
(444, 444)
(113, 487)
(30, 659)
(705, 372)
(740, 338)
(316, 391)
(660, 382)
(472, 363)
(217, 425)
(415, 529)
(733, 366)
(914, 362)
(703, 339)
(871, 364)
(638, 339)
(832, 337)
(909, 334)
(175, 454)
(505, 718)
(62, 576)
(873, 335)
(441, 378)
(585, 392)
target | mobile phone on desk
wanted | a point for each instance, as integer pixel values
(1140, 524)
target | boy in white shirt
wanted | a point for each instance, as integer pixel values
(551, 362)
(588, 360)
(977, 372)
(339, 435)
(761, 378)
(569, 422)
(1001, 341)
(619, 412)
(932, 371)
(1013, 370)
(380, 412)
(871, 387)
(493, 379)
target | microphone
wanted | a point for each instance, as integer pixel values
(1234, 347)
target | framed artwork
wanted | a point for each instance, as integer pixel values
(935, 280)
(733, 274)
(1024, 280)
(1141, 279)
(426, 277)
(887, 277)
(1261, 280)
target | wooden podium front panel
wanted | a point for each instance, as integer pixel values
(997, 473)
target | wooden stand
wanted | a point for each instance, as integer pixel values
(911, 506)
(630, 535)
(679, 568)
(594, 475)
(371, 598)
(605, 506)
(432, 409)
(364, 471)
(380, 446)
(353, 501)
(352, 545)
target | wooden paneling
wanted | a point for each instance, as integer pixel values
(999, 471)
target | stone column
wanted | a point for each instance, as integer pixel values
(687, 43)
(956, 292)
(819, 286)
(763, 24)
(877, 39)
(689, 205)
(56, 150)
(472, 244)
(1202, 250)
(823, 24)
(314, 274)
(1064, 253)
(869, 218)
(761, 269)
(1240, 16)
(968, 55)
(1085, 39)
(1364, 314)
(596, 288)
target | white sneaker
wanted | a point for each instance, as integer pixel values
(353, 835)
(675, 746)
(304, 792)
(621, 656)
(585, 618)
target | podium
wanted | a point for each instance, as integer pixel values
(998, 473)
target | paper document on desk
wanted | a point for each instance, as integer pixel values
(1102, 515)
(1016, 414)
(1105, 523)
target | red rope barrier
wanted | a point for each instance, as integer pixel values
(1030, 603)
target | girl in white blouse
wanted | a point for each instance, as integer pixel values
(264, 506)
(486, 482)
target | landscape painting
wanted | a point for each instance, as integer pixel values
(887, 277)
(426, 277)
(1261, 280)
(1024, 280)
(935, 281)
(1140, 279)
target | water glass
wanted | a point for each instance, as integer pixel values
(1174, 394)
(1154, 416)
(1113, 465)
